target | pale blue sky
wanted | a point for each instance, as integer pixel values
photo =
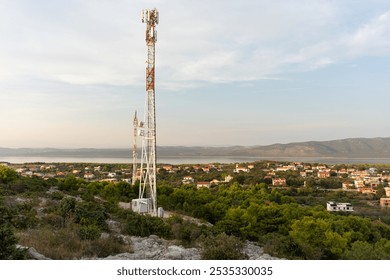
(227, 72)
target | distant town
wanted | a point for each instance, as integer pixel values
(359, 179)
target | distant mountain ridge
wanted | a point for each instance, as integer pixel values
(344, 148)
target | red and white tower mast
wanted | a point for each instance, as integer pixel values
(148, 184)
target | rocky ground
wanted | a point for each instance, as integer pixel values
(155, 248)
(152, 247)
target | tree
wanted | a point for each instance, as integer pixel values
(319, 238)
(362, 250)
(67, 208)
(7, 174)
(8, 250)
(71, 183)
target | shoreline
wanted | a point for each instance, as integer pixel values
(19, 159)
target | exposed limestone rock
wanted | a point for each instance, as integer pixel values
(35, 255)
(32, 253)
(114, 226)
(155, 248)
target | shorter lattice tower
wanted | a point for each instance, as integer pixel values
(135, 148)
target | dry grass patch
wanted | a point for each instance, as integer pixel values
(65, 244)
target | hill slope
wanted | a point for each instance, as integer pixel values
(345, 148)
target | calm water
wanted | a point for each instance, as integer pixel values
(193, 160)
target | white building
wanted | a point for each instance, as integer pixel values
(240, 168)
(333, 206)
(89, 176)
(141, 205)
(188, 180)
(228, 178)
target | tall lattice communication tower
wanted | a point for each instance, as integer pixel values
(147, 201)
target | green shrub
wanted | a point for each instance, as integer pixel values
(90, 213)
(8, 250)
(144, 225)
(223, 247)
(56, 196)
(7, 175)
(188, 233)
(89, 232)
(105, 247)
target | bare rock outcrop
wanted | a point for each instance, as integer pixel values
(155, 248)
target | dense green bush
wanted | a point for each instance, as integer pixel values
(8, 241)
(185, 231)
(222, 247)
(145, 225)
(89, 213)
(7, 175)
(90, 232)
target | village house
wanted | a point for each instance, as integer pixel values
(167, 168)
(278, 181)
(196, 167)
(309, 172)
(89, 176)
(286, 168)
(323, 174)
(215, 182)
(187, 180)
(206, 169)
(342, 171)
(49, 176)
(347, 185)
(359, 184)
(21, 170)
(271, 173)
(367, 190)
(28, 173)
(109, 180)
(373, 181)
(387, 190)
(359, 174)
(333, 206)
(240, 168)
(203, 185)
(298, 165)
(228, 178)
(97, 168)
(320, 167)
(384, 202)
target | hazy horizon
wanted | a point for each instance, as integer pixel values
(186, 146)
